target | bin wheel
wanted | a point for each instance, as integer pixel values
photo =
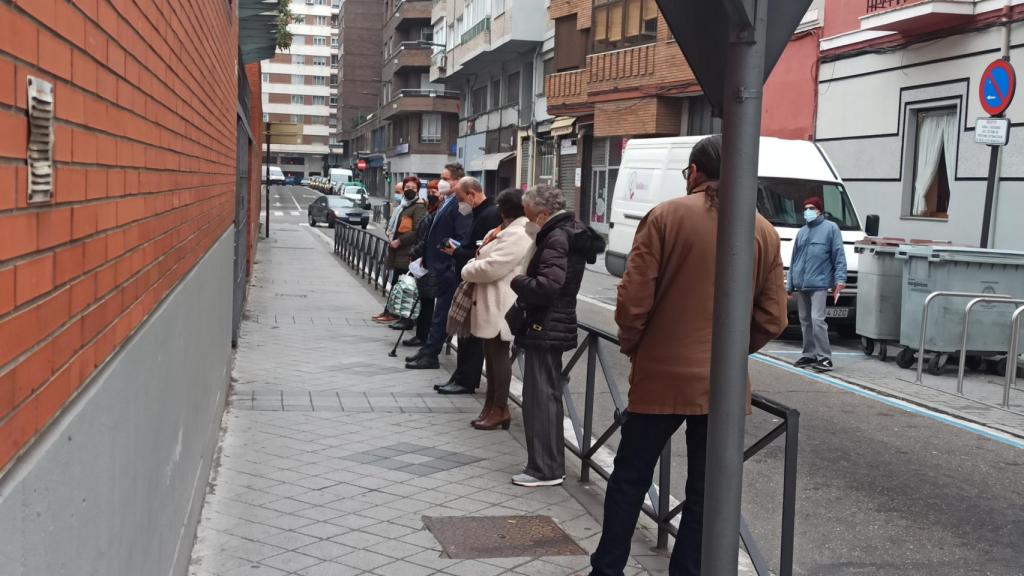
(867, 345)
(974, 362)
(905, 357)
(998, 366)
(883, 351)
(936, 362)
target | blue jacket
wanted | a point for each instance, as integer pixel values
(448, 223)
(818, 262)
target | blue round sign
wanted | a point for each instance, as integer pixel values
(998, 84)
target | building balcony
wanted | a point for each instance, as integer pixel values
(408, 55)
(421, 101)
(409, 11)
(567, 88)
(627, 68)
(916, 16)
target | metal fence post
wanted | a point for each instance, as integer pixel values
(588, 408)
(789, 493)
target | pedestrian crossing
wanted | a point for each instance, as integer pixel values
(290, 212)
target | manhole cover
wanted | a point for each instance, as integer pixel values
(469, 537)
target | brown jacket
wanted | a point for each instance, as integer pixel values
(666, 303)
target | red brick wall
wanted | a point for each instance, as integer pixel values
(145, 99)
(253, 74)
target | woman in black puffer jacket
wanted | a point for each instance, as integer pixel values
(546, 296)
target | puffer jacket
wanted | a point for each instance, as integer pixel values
(818, 262)
(547, 292)
(426, 284)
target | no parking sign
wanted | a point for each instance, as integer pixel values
(997, 86)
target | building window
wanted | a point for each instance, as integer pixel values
(296, 99)
(320, 20)
(333, 101)
(334, 79)
(334, 60)
(546, 161)
(430, 128)
(426, 34)
(934, 162)
(699, 120)
(266, 78)
(496, 93)
(549, 69)
(298, 59)
(319, 61)
(622, 23)
(298, 40)
(334, 41)
(319, 100)
(480, 100)
(319, 40)
(319, 80)
(512, 89)
(298, 79)
(295, 118)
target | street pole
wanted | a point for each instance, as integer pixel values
(267, 168)
(734, 263)
(995, 161)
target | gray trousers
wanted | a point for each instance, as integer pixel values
(542, 414)
(812, 321)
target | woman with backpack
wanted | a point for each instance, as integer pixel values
(544, 321)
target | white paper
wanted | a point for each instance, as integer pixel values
(417, 269)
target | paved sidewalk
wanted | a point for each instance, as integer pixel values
(332, 452)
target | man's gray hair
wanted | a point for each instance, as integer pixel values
(545, 198)
(470, 184)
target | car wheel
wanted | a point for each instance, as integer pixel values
(365, 224)
(312, 221)
(330, 222)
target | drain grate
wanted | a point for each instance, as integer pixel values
(472, 537)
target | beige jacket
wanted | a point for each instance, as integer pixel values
(498, 261)
(666, 304)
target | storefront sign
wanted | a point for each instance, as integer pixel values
(992, 131)
(567, 146)
(401, 149)
(577, 178)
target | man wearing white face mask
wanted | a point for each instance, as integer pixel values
(818, 264)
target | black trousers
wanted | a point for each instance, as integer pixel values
(423, 321)
(643, 438)
(469, 364)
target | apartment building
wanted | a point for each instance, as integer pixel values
(492, 59)
(897, 103)
(413, 130)
(617, 73)
(359, 74)
(300, 86)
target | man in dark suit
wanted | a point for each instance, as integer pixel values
(452, 221)
(471, 350)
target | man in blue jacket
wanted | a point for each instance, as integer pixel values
(452, 221)
(818, 264)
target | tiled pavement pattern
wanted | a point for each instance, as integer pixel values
(332, 453)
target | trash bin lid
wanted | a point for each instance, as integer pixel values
(962, 254)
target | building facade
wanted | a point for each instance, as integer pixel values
(412, 131)
(300, 86)
(359, 77)
(124, 254)
(897, 103)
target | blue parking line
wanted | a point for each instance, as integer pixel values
(895, 403)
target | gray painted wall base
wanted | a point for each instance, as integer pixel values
(115, 485)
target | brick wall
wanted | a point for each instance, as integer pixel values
(145, 100)
(648, 116)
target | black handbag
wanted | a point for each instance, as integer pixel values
(516, 319)
(427, 285)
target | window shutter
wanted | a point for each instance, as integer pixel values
(40, 140)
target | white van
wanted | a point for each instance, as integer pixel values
(276, 176)
(339, 176)
(789, 172)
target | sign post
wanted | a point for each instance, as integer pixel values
(996, 89)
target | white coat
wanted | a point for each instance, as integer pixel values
(492, 271)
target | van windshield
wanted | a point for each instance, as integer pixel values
(781, 202)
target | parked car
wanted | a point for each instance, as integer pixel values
(333, 209)
(305, 182)
(292, 180)
(276, 175)
(357, 194)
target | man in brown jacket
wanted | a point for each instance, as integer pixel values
(664, 312)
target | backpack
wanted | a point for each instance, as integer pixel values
(589, 242)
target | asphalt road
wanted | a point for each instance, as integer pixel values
(881, 490)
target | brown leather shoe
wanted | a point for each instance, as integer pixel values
(483, 416)
(488, 405)
(499, 417)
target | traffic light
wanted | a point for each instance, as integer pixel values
(387, 172)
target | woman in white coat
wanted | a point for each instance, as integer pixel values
(501, 258)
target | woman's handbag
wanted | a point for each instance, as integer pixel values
(516, 319)
(458, 314)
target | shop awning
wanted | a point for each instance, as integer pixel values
(489, 161)
(562, 125)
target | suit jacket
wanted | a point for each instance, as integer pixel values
(666, 303)
(448, 223)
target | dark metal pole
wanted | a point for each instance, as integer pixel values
(990, 194)
(664, 492)
(789, 493)
(734, 263)
(267, 179)
(588, 407)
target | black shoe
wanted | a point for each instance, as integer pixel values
(414, 341)
(823, 366)
(804, 362)
(403, 324)
(454, 389)
(419, 354)
(424, 362)
(451, 380)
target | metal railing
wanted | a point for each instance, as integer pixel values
(475, 30)
(924, 322)
(413, 92)
(1011, 355)
(876, 5)
(962, 366)
(365, 252)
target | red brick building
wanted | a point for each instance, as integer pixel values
(123, 258)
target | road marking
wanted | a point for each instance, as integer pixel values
(278, 213)
(296, 202)
(979, 429)
(295, 213)
(799, 352)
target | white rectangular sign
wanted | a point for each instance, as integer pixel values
(992, 131)
(578, 178)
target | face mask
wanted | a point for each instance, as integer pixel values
(397, 196)
(432, 201)
(532, 228)
(810, 215)
(410, 194)
(465, 208)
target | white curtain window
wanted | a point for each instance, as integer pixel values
(430, 128)
(936, 138)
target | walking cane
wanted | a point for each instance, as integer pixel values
(412, 313)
